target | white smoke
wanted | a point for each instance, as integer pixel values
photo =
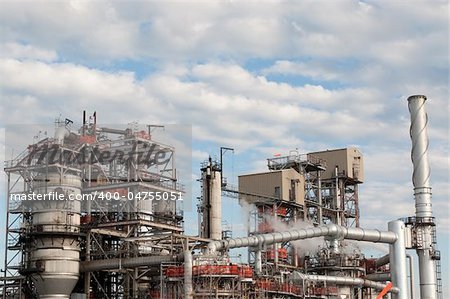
(374, 248)
(304, 247)
(349, 247)
(246, 210)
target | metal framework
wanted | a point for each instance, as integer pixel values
(327, 200)
(340, 200)
(21, 234)
(120, 228)
(311, 168)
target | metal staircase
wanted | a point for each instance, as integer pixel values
(437, 258)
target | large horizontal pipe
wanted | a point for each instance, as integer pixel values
(383, 276)
(349, 281)
(384, 260)
(114, 131)
(331, 230)
(134, 262)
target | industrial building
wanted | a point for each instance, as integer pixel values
(93, 235)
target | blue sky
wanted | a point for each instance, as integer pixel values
(263, 78)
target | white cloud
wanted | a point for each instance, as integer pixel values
(109, 29)
(19, 51)
(200, 155)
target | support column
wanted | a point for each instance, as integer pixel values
(258, 261)
(188, 289)
(397, 257)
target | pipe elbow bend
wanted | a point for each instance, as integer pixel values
(212, 248)
(335, 232)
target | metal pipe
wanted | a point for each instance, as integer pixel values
(258, 262)
(384, 260)
(188, 288)
(397, 257)
(422, 194)
(114, 131)
(276, 247)
(331, 230)
(118, 263)
(337, 195)
(383, 276)
(411, 276)
(334, 231)
(83, 128)
(341, 280)
(334, 245)
(319, 196)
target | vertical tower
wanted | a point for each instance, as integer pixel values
(211, 204)
(48, 235)
(62, 245)
(423, 224)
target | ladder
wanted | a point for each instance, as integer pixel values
(437, 258)
(438, 278)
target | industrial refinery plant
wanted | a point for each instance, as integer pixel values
(95, 212)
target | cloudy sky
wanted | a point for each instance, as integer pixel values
(263, 78)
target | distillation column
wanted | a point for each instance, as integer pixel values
(55, 252)
(422, 194)
(211, 226)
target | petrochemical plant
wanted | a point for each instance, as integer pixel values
(94, 212)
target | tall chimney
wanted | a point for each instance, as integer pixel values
(422, 192)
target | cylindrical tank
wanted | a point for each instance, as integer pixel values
(212, 202)
(55, 228)
(60, 134)
(216, 206)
